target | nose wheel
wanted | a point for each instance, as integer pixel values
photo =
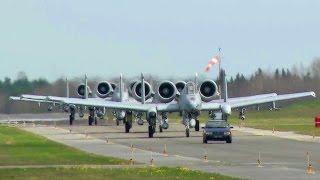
(128, 122)
(187, 132)
(160, 129)
(151, 130)
(197, 126)
(72, 116)
(242, 114)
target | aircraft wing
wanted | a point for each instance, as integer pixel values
(258, 100)
(108, 104)
(51, 98)
(246, 98)
(14, 98)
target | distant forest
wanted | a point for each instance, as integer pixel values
(282, 80)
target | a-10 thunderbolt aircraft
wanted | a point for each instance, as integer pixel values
(105, 91)
(184, 97)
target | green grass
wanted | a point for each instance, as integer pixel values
(297, 117)
(126, 173)
(18, 147)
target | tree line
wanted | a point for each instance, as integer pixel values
(280, 80)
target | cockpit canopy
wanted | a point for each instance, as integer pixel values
(190, 88)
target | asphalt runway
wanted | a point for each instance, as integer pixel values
(280, 158)
(243, 152)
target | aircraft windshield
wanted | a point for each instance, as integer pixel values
(191, 88)
(216, 124)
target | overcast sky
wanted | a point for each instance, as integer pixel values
(54, 38)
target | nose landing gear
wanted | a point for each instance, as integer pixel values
(128, 121)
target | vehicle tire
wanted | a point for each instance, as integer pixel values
(205, 141)
(229, 140)
(128, 126)
(160, 129)
(151, 131)
(187, 132)
(90, 121)
(95, 121)
(197, 126)
(71, 118)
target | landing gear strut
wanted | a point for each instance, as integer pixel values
(160, 128)
(72, 115)
(92, 117)
(197, 126)
(242, 114)
(128, 121)
(187, 132)
(151, 130)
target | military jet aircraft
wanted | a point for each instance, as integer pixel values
(190, 101)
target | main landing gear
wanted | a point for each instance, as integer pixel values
(187, 131)
(197, 126)
(92, 117)
(242, 114)
(72, 115)
(151, 130)
(163, 122)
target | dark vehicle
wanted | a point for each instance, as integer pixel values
(217, 130)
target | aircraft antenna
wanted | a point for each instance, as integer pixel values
(143, 98)
(67, 88)
(219, 77)
(120, 87)
(85, 87)
(196, 81)
(224, 85)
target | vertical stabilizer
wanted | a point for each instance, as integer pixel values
(85, 87)
(143, 94)
(224, 85)
(67, 88)
(121, 87)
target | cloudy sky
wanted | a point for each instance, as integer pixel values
(54, 38)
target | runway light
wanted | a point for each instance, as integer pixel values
(165, 150)
(310, 168)
(86, 134)
(152, 162)
(259, 160)
(205, 159)
(131, 161)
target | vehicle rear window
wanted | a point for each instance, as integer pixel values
(217, 124)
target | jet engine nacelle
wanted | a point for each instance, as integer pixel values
(166, 91)
(137, 89)
(208, 89)
(130, 87)
(80, 90)
(180, 86)
(113, 85)
(104, 89)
